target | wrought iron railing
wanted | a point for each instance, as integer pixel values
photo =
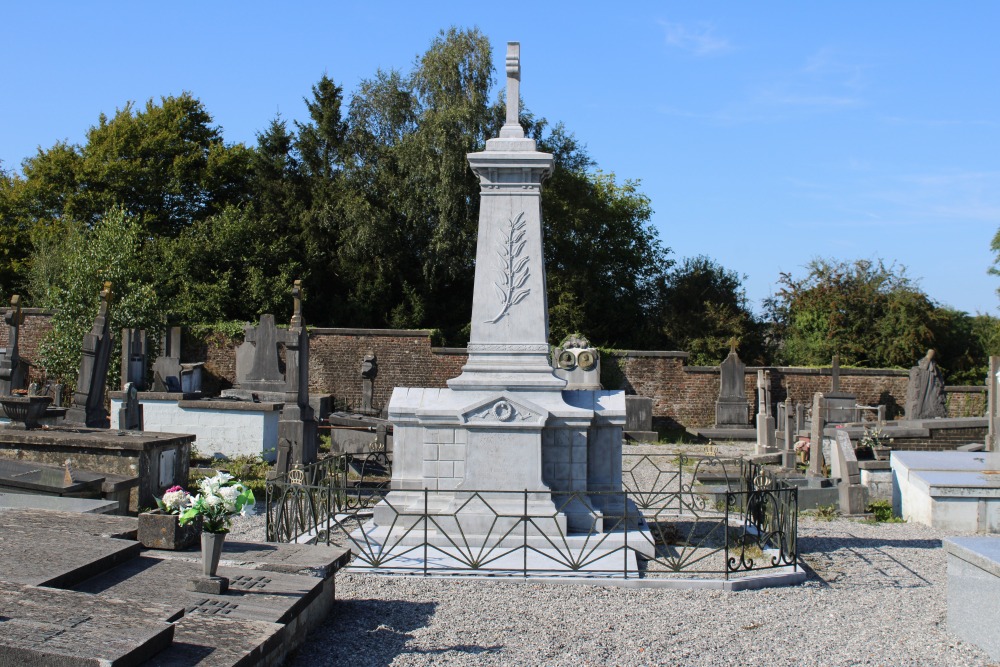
(676, 515)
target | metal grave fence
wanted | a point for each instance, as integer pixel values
(677, 515)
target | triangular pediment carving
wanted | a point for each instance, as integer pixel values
(504, 409)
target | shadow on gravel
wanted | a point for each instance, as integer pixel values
(822, 544)
(881, 561)
(366, 633)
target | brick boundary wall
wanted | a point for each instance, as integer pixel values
(37, 323)
(683, 396)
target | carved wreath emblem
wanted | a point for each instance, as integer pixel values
(502, 410)
(512, 269)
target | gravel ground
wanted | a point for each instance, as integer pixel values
(876, 595)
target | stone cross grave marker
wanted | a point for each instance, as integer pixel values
(13, 372)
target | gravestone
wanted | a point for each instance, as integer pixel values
(788, 427)
(297, 425)
(925, 391)
(506, 424)
(993, 405)
(259, 376)
(369, 371)
(816, 437)
(731, 409)
(167, 366)
(88, 400)
(130, 414)
(844, 467)
(134, 351)
(841, 406)
(766, 437)
(13, 371)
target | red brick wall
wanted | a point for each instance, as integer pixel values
(405, 359)
(682, 395)
(37, 323)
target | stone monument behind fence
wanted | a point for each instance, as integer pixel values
(731, 409)
(505, 429)
(88, 400)
(297, 425)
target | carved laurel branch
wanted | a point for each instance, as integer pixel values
(512, 268)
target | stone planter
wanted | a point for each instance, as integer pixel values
(25, 409)
(211, 550)
(881, 453)
(158, 530)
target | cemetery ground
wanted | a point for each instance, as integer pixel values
(876, 594)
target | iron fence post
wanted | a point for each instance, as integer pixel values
(524, 533)
(625, 531)
(425, 531)
(725, 565)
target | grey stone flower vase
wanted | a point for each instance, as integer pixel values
(211, 549)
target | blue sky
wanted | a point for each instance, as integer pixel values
(766, 134)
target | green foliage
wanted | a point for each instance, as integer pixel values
(165, 164)
(882, 512)
(232, 329)
(706, 307)
(14, 235)
(229, 266)
(824, 512)
(68, 269)
(871, 314)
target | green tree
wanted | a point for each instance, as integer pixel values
(411, 208)
(68, 270)
(871, 314)
(14, 235)
(166, 165)
(706, 307)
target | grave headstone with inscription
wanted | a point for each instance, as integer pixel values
(732, 409)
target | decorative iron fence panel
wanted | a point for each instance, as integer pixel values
(677, 515)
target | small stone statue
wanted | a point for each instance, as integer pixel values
(369, 370)
(925, 392)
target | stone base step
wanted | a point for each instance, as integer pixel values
(56, 628)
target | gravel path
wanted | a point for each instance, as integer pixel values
(876, 595)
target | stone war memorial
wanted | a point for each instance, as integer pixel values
(505, 439)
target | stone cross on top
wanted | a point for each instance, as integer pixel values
(512, 128)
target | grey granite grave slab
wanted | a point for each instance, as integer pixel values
(974, 590)
(304, 559)
(214, 641)
(57, 628)
(38, 555)
(957, 483)
(131, 454)
(67, 523)
(274, 597)
(14, 501)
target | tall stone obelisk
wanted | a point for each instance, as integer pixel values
(506, 425)
(508, 345)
